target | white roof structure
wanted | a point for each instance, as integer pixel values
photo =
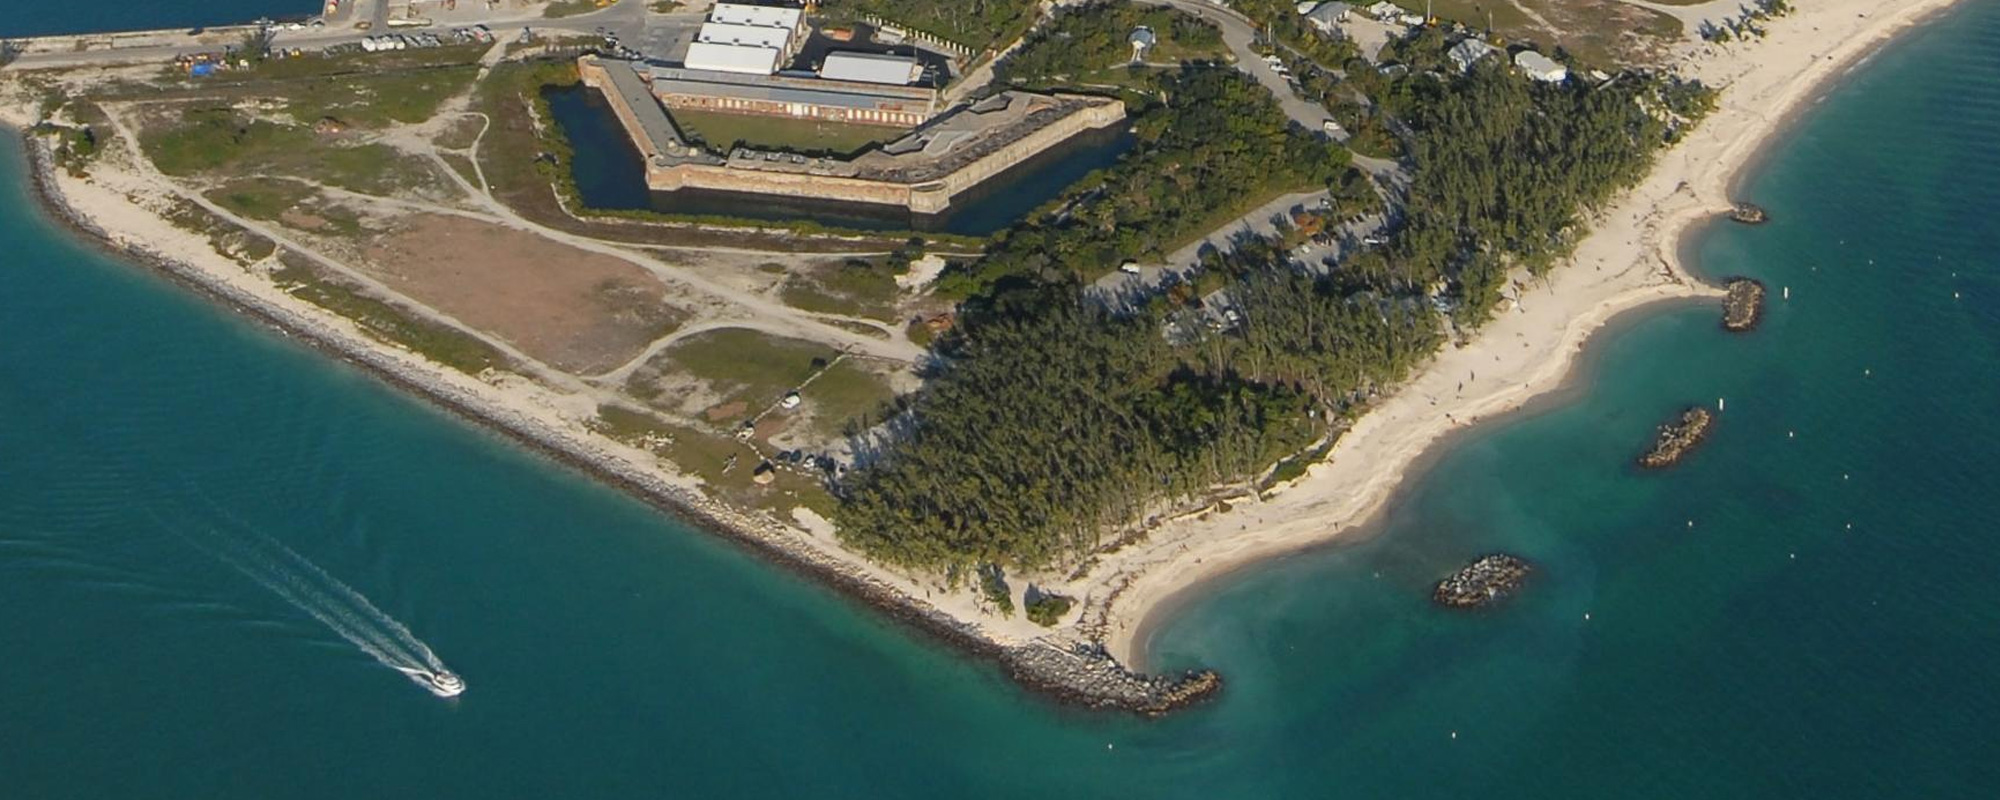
(743, 59)
(1468, 52)
(1327, 15)
(751, 35)
(1540, 67)
(756, 16)
(871, 68)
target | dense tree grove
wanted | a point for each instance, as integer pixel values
(1506, 167)
(1217, 146)
(1041, 429)
(978, 24)
(1047, 421)
(1084, 39)
(1280, 21)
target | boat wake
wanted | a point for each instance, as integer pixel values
(304, 585)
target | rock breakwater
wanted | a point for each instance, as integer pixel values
(1084, 674)
(1678, 437)
(1743, 308)
(1483, 582)
(1749, 214)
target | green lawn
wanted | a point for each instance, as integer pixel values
(570, 8)
(746, 365)
(222, 141)
(375, 100)
(853, 289)
(352, 63)
(722, 131)
(260, 198)
(845, 392)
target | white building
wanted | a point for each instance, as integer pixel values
(1468, 52)
(1385, 11)
(1540, 67)
(871, 68)
(1142, 40)
(744, 35)
(757, 16)
(1326, 17)
(747, 39)
(743, 59)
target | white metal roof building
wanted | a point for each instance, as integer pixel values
(751, 35)
(871, 68)
(1468, 52)
(743, 59)
(1540, 67)
(757, 16)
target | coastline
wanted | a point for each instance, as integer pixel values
(1094, 658)
(1075, 675)
(1574, 382)
(1642, 238)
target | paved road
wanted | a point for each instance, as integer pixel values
(1238, 32)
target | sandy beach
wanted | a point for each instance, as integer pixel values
(1630, 260)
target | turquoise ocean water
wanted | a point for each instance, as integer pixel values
(156, 454)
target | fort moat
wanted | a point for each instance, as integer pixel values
(928, 172)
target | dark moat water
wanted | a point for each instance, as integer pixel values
(611, 175)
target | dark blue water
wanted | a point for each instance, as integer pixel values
(1768, 651)
(28, 18)
(611, 175)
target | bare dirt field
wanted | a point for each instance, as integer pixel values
(577, 311)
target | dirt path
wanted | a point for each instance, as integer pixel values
(744, 308)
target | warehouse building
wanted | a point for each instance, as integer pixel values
(732, 91)
(740, 59)
(746, 39)
(871, 68)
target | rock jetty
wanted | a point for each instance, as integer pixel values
(1677, 438)
(1483, 582)
(1084, 674)
(1744, 307)
(1749, 214)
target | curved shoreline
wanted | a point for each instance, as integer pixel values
(1766, 84)
(1077, 676)
(1575, 381)
(1637, 252)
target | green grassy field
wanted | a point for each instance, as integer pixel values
(570, 8)
(853, 289)
(722, 131)
(846, 391)
(378, 99)
(221, 141)
(741, 364)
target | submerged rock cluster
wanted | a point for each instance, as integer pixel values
(1084, 674)
(1483, 582)
(1744, 306)
(1677, 438)
(1749, 214)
